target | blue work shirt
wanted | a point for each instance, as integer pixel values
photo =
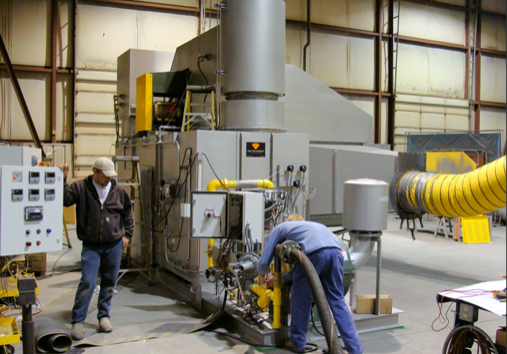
(311, 236)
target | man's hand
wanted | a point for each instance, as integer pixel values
(125, 242)
(269, 283)
(65, 169)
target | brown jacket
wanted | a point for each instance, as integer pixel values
(98, 224)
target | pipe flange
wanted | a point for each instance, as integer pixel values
(284, 250)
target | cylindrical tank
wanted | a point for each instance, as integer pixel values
(365, 204)
(252, 59)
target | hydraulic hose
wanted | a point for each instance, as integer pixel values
(319, 296)
(469, 194)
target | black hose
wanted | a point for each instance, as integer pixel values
(319, 296)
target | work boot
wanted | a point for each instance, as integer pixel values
(105, 325)
(77, 331)
(292, 348)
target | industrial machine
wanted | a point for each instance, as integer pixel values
(217, 177)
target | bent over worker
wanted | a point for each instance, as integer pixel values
(105, 224)
(325, 252)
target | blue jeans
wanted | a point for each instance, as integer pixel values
(328, 263)
(106, 260)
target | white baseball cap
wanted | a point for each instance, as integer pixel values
(106, 166)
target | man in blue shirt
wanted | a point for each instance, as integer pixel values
(325, 252)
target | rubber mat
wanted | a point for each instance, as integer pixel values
(140, 332)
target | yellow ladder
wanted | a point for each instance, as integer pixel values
(189, 116)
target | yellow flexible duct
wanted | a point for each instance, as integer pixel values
(473, 193)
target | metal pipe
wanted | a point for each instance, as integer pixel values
(360, 250)
(308, 32)
(28, 330)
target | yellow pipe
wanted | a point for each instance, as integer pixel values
(209, 252)
(264, 295)
(276, 297)
(226, 184)
(473, 193)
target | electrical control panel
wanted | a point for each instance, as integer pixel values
(31, 209)
(246, 216)
(208, 214)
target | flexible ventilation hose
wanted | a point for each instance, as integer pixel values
(469, 194)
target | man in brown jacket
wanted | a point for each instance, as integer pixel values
(105, 224)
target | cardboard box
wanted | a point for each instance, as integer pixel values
(365, 304)
(69, 214)
(37, 263)
(500, 337)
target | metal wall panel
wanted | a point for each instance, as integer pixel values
(165, 32)
(64, 107)
(340, 61)
(65, 37)
(35, 87)
(494, 6)
(453, 2)
(104, 33)
(295, 39)
(432, 23)
(493, 29)
(416, 114)
(31, 32)
(187, 3)
(358, 14)
(494, 119)
(431, 71)
(493, 79)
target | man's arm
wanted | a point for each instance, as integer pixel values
(267, 254)
(70, 194)
(128, 216)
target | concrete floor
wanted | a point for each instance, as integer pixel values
(413, 272)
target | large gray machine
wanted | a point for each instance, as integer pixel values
(211, 195)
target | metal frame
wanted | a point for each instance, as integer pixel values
(377, 35)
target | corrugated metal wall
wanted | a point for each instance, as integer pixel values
(25, 26)
(103, 34)
(431, 84)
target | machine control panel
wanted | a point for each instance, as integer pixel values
(34, 213)
(33, 194)
(34, 177)
(208, 214)
(50, 177)
(31, 209)
(49, 194)
(17, 195)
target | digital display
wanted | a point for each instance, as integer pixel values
(34, 191)
(50, 174)
(17, 192)
(34, 174)
(50, 191)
